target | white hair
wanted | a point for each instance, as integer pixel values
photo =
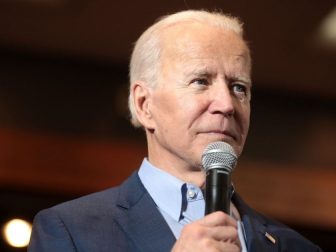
(145, 59)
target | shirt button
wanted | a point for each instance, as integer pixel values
(191, 194)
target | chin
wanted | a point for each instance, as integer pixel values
(219, 137)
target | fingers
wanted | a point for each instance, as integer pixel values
(205, 245)
(218, 219)
(215, 232)
(226, 234)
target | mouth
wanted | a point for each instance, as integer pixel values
(222, 135)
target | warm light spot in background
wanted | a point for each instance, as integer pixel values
(327, 29)
(17, 232)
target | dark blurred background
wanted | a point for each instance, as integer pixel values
(64, 129)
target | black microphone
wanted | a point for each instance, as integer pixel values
(218, 160)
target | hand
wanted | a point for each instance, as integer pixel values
(214, 233)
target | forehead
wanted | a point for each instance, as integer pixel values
(185, 42)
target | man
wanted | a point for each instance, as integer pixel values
(190, 86)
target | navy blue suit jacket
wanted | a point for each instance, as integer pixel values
(125, 218)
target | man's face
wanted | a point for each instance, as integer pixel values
(203, 94)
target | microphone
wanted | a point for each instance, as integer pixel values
(218, 160)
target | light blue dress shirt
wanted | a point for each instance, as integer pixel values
(180, 203)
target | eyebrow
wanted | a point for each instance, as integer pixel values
(199, 70)
(204, 70)
(239, 77)
(244, 79)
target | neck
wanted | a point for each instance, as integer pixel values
(168, 162)
(195, 177)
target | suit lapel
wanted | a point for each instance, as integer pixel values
(143, 223)
(258, 238)
(140, 218)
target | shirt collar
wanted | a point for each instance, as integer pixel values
(165, 189)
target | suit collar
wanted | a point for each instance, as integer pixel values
(140, 218)
(258, 237)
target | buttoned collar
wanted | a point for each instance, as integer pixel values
(168, 192)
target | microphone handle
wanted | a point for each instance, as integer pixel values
(217, 191)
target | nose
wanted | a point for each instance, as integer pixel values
(221, 100)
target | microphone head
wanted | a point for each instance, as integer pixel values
(219, 155)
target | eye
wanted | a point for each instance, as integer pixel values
(239, 88)
(200, 81)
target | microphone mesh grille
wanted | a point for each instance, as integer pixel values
(219, 155)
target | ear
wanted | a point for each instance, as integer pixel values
(142, 99)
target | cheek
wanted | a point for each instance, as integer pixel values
(167, 111)
(194, 111)
(247, 118)
(178, 109)
(162, 103)
(245, 124)
(243, 119)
